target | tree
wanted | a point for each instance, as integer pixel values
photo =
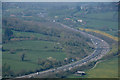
(47, 65)
(23, 57)
(6, 69)
(8, 33)
(12, 51)
(40, 61)
(78, 8)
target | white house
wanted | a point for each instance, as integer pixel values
(80, 72)
(80, 20)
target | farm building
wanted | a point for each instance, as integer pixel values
(80, 72)
(67, 19)
(80, 20)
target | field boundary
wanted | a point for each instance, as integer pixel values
(100, 32)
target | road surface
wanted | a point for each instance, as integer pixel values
(101, 48)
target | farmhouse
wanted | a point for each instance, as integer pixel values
(67, 19)
(80, 72)
(54, 21)
(80, 20)
(66, 58)
(56, 16)
(26, 16)
(12, 15)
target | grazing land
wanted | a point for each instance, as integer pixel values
(108, 67)
(33, 50)
(34, 41)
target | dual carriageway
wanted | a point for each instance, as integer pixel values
(101, 49)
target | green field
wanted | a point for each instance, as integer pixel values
(37, 48)
(31, 30)
(27, 34)
(32, 50)
(17, 66)
(106, 69)
(106, 15)
(0, 63)
(106, 22)
(103, 21)
(42, 51)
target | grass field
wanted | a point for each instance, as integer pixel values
(105, 15)
(26, 34)
(17, 66)
(32, 50)
(18, 34)
(100, 32)
(106, 69)
(106, 22)
(0, 62)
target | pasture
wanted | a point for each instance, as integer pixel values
(105, 69)
(33, 49)
(106, 22)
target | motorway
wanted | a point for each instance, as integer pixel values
(101, 48)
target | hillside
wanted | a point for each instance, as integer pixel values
(40, 46)
(33, 39)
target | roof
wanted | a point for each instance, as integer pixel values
(80, 72)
